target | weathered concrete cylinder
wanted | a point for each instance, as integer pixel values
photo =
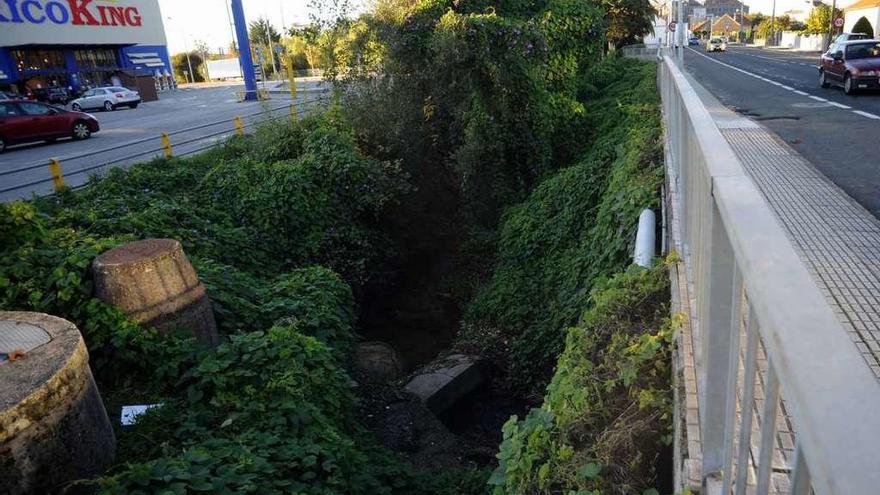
(377, 361)
(154, 283)
(53, 425)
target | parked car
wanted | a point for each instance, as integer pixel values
(23, 121)
(716, 44)
(8, 95)
(855, 65)
(693, 41)
(52, 95)
(851, 37)
(107, 98)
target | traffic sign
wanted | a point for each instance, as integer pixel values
(672, 26)
(838, 22)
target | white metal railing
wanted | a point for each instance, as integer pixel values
(643, 52)
(747, 280)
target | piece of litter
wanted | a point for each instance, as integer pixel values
(131, 413)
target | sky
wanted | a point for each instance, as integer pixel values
(766, 6)
(207, 20)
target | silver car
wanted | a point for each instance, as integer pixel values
(107, 98)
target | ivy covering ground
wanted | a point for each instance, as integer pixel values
(492, 130)
(577, 226)
(607, 412)
(282, 245)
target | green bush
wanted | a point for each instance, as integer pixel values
(267, 412)
(602, 422)
(577, 226)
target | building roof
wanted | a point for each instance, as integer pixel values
(725, 23)
(863, 4)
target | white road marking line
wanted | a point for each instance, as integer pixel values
(787, 87)
(839, 105)
(823, 100)
(866, 114)
(802, 93)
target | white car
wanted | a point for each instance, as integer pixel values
(107, 98)
(716, 45)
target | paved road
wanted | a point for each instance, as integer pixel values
(838, 134)
(139, 130)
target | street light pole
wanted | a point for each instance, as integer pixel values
(831, 26)
(186, 50)
(192, 76)
(773, 25)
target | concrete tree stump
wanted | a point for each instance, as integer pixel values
(378, 361)
(53, 425)
(154, 283)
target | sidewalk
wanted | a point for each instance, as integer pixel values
(836, 238)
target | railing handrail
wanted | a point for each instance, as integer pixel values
(833, 396)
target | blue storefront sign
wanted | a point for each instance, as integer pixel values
(79, 42)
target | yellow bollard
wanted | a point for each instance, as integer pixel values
(239, 126)
(57, 175)
(166, 143)
(293, 114)
(291, 79)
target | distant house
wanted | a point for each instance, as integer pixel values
(726, 26)
(869, 9)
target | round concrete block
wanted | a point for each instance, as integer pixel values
(377, 361)
(53, 425)
(154, 283)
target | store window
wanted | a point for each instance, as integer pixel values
(27, 60)
(102, 57)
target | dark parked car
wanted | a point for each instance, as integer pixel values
(693, 41)
(52, 95)
(8, 95)
(28, 121)
(855, 65)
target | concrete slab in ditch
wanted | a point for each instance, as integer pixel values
(440, 384)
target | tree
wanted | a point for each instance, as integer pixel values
(263, 32)
(783, 23)
(180, 65)
(628, 20)
(819, 20)
(263, 37)
(863, 25)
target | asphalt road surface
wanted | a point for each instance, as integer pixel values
(133, 135)
(838, 134)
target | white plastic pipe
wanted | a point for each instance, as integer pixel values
(645, 239)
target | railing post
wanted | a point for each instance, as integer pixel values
(239, 125)
(715, 296)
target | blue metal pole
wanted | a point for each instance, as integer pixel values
(244, 51)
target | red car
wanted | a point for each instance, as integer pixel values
(854, 65)
(23, 121)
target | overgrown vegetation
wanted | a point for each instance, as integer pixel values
(576, 227)
(270, 410)
(486, 146)
(608, 409)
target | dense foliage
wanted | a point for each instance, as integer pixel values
(270, 410)
(481, 98)
(489, 140)
(600, 428)
(575, 227)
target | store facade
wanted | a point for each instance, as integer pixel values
(77, 44)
